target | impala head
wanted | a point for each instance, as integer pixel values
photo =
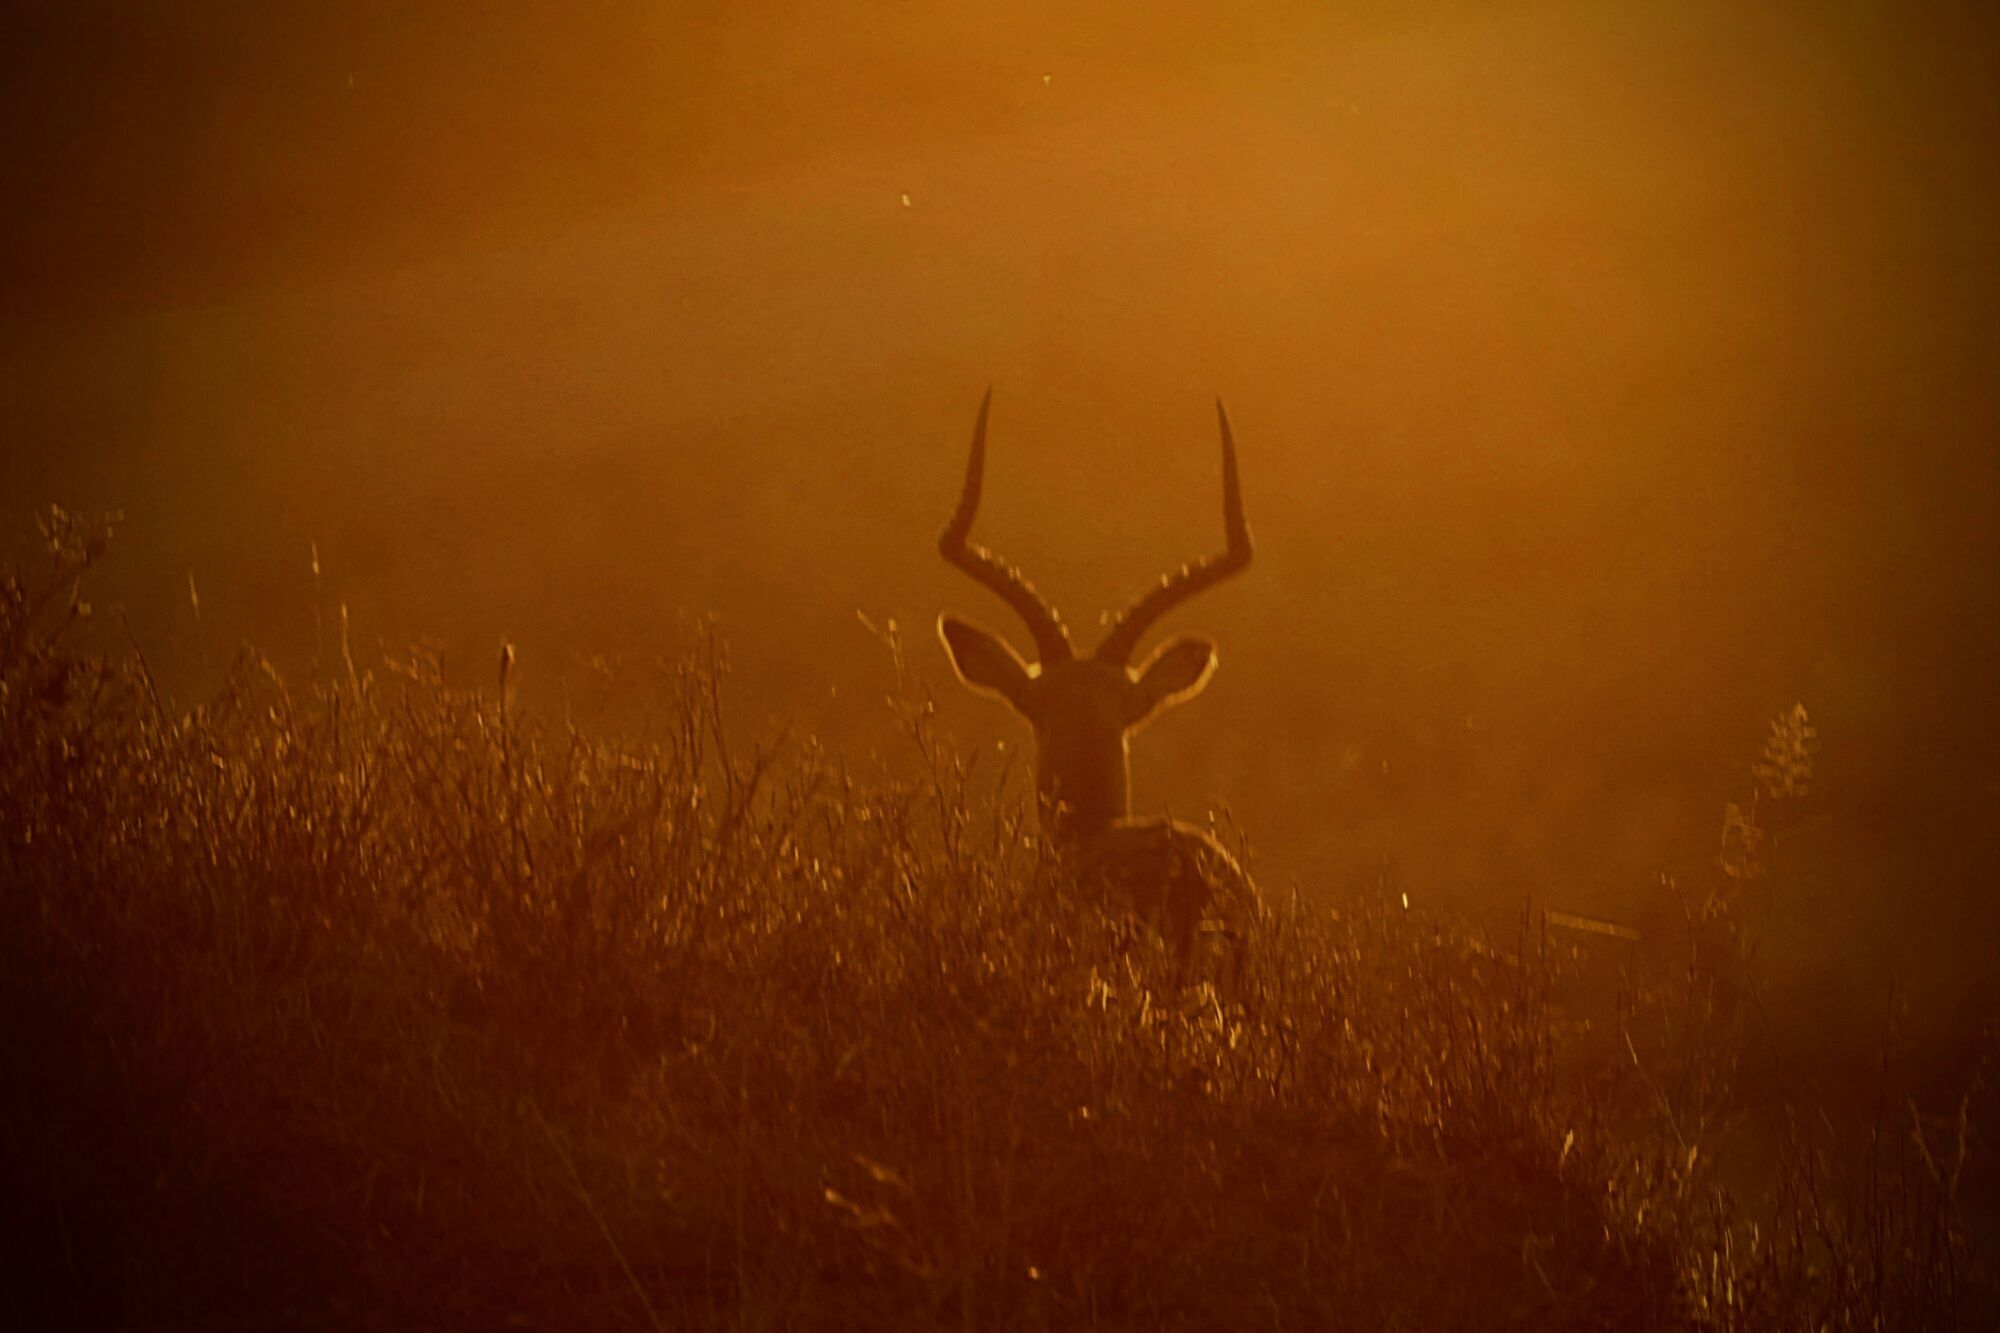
(1084, 709)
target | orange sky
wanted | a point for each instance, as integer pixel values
(1610, 376)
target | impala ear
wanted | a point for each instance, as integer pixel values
(1175, 673)
(985, 661)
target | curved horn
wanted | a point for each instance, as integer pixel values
(1173, 589)
(1044, 623)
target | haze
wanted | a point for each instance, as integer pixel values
(1607, 379)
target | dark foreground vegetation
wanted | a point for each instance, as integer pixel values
(373, 1004)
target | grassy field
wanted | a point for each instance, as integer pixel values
(372, 1003)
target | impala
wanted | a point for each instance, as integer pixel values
(1084, 710)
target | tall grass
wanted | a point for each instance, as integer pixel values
(381, 1004)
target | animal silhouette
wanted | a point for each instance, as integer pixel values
(1174, 875)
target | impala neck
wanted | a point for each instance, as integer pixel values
(1083, 794)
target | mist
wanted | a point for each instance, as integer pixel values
(1606, 380)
